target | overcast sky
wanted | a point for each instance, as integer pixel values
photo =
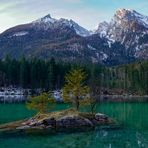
(87, 13)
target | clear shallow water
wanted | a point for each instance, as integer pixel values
(132, 134)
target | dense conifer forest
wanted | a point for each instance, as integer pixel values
(37, 73)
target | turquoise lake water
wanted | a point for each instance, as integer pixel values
(133, 132)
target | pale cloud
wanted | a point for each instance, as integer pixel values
(5, 6)
(73, 1)
(21, 12)
(15, 12)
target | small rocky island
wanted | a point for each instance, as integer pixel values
(74, 92)
(59, 121)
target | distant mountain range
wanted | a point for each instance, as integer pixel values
(124, 39)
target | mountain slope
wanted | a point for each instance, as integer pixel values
(121, 41)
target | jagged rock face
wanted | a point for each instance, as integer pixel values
(130, 29)
(102, 29)
(127, 27)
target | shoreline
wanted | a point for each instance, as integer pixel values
(28, 91)
(12, 95)
(103, 98)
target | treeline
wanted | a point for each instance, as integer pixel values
(37, 73)
(32, 73)
(130, 78)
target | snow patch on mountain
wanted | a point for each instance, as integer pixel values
(102, 29)
(22, 33)
(79, 30)
(102, 56)
(140, 18)
(91, 48)
(131, 15)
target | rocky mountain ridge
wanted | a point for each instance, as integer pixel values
(123, 40)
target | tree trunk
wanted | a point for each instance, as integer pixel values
(77, 103)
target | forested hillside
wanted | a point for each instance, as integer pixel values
(130, 78)
(37, 73)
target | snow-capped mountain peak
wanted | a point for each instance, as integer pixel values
(128, 27)
(125, 20)
(131, 15)
(46, 19)
(48, 22)
(121, 13)
(47, 16)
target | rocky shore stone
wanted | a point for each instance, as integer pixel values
(70, 121)
(99, 117)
